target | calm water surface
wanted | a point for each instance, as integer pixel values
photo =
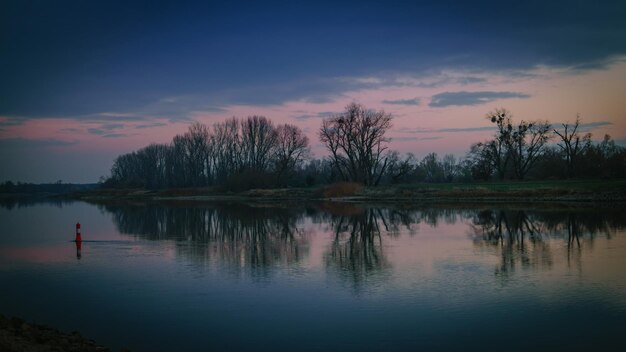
(235, 277)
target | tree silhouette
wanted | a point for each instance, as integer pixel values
(357, 144)
(523, 144)
(572, 144)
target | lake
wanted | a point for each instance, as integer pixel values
(320, 276)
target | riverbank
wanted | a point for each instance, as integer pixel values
(16, 335)
(561, 191)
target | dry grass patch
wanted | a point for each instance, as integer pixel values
(342, 189)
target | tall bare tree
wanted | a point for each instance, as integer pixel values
(449, 167)
(225, 153)
(432, 168)
(528, 143)
(292, 148)
(479, 161)
(258, 141)
(126, 170)
(357, 143)
(523, 143)
(399, 169)
(572, 144)
(154, 161)
(196, 154)
(497, 148)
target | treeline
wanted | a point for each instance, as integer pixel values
(236, 153)
(249, 153)
(522, 150)
(10, 187)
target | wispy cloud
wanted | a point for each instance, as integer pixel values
(115, 135)
(151, 125)
(427, 80)
(471, 80)
(471, 98)
(414, 101)
(467, 129)
(105, 129)
(447, 130)
(410, 139)
(70, 130)
(593, 125)
(19, 142)
(117, 114)
(584, 127)
(328, 89)
(9, 122)
(323, 114)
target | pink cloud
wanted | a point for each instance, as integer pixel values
(554, 94)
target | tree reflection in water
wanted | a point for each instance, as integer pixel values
(356, 253)
(236, 237)
(257, 239)
(518, 237)
(10, 203)
(521, 237)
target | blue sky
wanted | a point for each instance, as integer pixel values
(107, 65)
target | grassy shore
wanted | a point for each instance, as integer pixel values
(571, 190)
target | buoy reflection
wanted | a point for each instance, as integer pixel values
(79, 245)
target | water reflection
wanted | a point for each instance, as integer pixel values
(203, 273)
(79, 247)
(10, 203)
(356, 252)
(258, 239)
(236, 236)
(520, 237)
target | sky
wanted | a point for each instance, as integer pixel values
(84, 81)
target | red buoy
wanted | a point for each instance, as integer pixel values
(78, 238)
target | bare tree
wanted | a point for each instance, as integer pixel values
(197, 151)
(357, 143)
(177, 169)
(292, 148)
(258, 140)
(497, 148)
(191, 156)
(143, 168)
(528, 143)
(125, 170)
(480, 161)
(432, 168)
(523, 143)
(449, 167)
(397, 168)
(571, 144)
(225, 154)
(154, 163)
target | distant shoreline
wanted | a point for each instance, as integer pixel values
(531, 191)
(609, 191)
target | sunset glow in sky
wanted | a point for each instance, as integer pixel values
(84, 81)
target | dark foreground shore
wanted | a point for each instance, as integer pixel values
(16, 335)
